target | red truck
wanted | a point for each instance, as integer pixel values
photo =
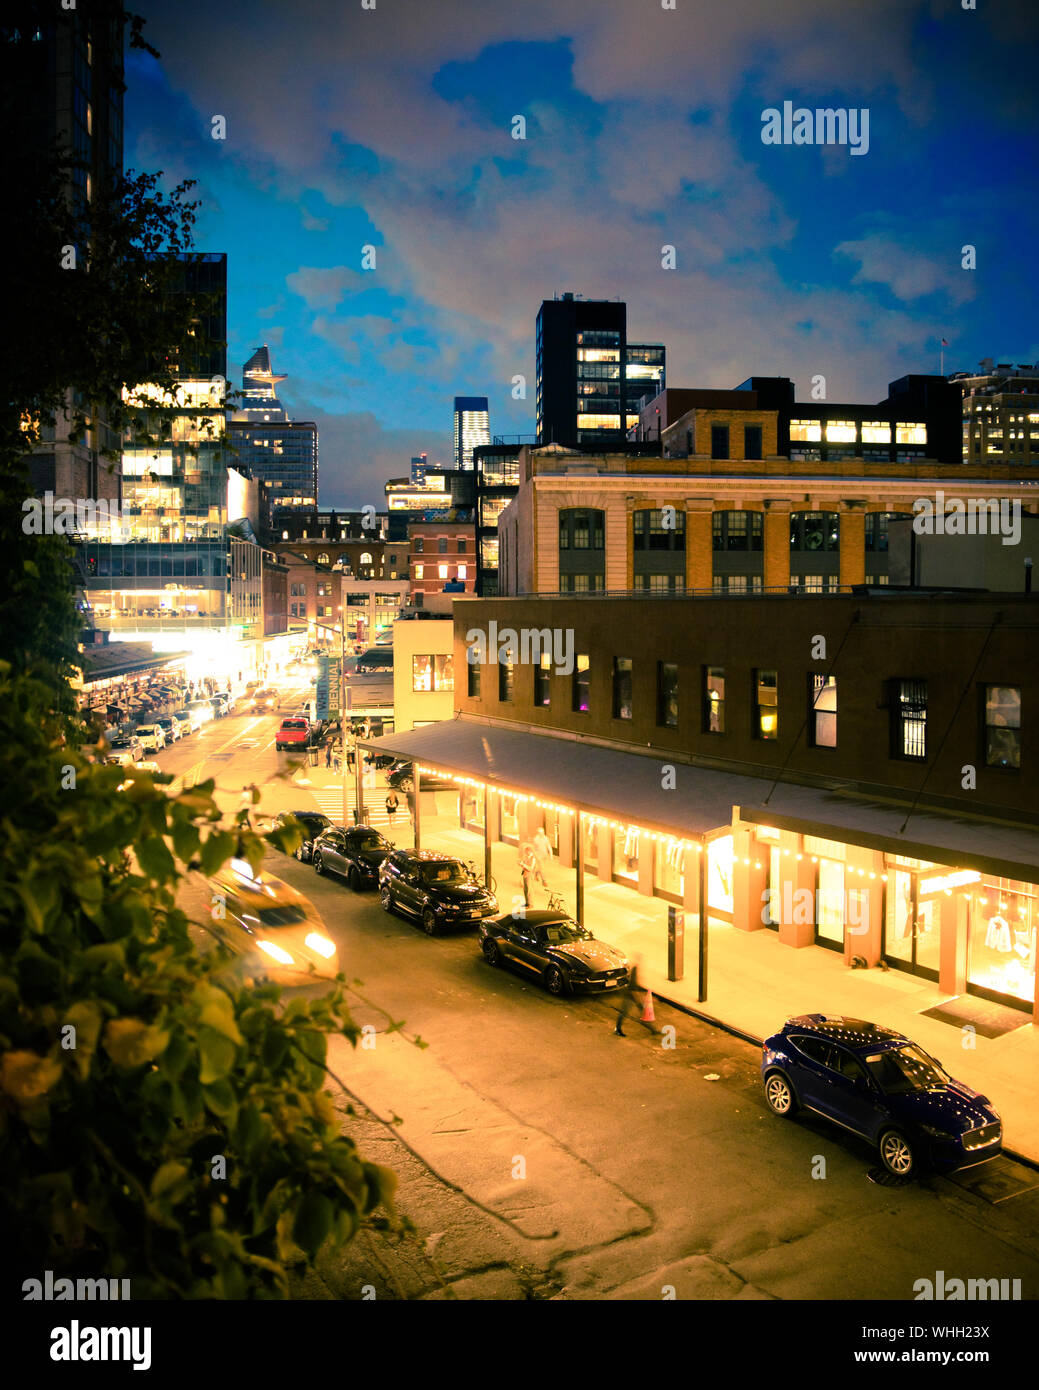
(294, 733)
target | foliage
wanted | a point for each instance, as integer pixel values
(107, 1147)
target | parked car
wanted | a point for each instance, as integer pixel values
(355, 853)
(125, 750)
(401, 779)
(218, 704)
(171, 728)
(311, 823)
(550, 947)
(436, 889)
(203, 709)
(250, 686)
(276, 932)
(264, 701)
(294, 733)
(878, 1084)
(145, 765)
(229, 700)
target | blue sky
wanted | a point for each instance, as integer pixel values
(392, 128)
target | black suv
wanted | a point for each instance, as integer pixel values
(355, 854)
(436, 889)
(310, 823)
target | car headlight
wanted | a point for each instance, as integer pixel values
(936, 1133)
(320, 944)
(275, 952)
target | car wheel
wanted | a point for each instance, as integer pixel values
(779, 1094)
(353, 878)
(491, 954)
(385, 899)
(318, 865)
(555, 980)
(896, 1154)
(429, 922)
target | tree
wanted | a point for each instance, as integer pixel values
(160, 1119)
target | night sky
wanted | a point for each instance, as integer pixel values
(391, 127)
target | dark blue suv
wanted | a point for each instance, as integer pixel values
(876, 1083)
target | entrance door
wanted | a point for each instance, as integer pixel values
(829, 926)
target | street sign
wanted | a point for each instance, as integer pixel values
(321, 688)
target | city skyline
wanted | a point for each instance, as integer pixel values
(788, 260)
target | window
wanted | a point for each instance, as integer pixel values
(736, 530)
(877, 530)
(752, 441)
(582, 684)
(473, 683)
(805, 431)
(462, 571)
(909, 720)
(420, 545)
(581, 530)
(824, 711)
(419, 571)
(366, 558)
(876, 432)
(714, 700)
(542, 675)
(322, 559)
(840, 432)
(907, 432)
(667, 694)
(719, 441)
(461, 545)
(1002, 725)
(650, 582)
(651, 532)
(506, 679)
(442, 571)
(814, 531)
(435, 672)
(442, 545)
(766, 704)
(622, 687)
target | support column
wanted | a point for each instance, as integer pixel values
(416, 778)
(952, 946)
(748, 881)
(701, 899)
(580, 872)
(358, 784)
(486, 837)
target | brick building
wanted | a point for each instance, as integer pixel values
(440, 553)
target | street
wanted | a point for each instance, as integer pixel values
(549, 1155)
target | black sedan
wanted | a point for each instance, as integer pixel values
(355, 853)
(401, 779)
(551, 948)
(311, 823)
(436, 889)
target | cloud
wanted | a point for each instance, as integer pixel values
(909, 274)
(323, 287)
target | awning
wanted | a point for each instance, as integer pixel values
(630, 788)
(108, 660)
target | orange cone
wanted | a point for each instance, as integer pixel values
(648, 1015)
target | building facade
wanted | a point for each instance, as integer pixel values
(471, 429)
(1000, 413)
(423, 671)
(652, 524)
(441, 553)
(268, 445)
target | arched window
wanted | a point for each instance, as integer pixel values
(366, 558)
(322, 559)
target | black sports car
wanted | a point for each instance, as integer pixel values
(312, 823)
(552, 948)
(355, 853)
(400, 778)
(436, 889)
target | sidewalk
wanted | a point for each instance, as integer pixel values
(755, 983)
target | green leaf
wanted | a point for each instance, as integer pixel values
(130, 1042)
(169, 1175)
(216, 850)
(155, 859)
(313, 1222)
(218, 1055)
(220, 1099)
(86, 1018)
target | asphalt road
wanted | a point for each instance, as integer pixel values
(546, 1153)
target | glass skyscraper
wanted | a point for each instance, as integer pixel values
(471, 429)
(269, 446)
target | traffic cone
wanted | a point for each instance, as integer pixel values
(648, 1015)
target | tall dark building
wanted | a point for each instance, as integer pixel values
(589, 378)
(272, 448)
(470, 429)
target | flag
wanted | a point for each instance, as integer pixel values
(945, 342)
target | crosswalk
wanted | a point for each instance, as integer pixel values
(329, 800)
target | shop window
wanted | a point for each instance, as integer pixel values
(509, 819)
(506, 677)
(667, 694)
(582, 684)
(626, 852)
(714, 700)
(1002, 726)
(719, 874)
(474, 680)
(542, 678)
(766, 704)
(622, 687)
(1002, 941)
(669, 868)
(829, 927)
(824, 711)
(909, 719)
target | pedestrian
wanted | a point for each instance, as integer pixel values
(328, 753)
(336, 759)
(528, 866)
(411, 806)
(543, 852)
(392, 804)
(633, 1001)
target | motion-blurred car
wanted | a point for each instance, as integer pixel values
(873, 1081)
(355, 853)
(188, 721)
(124, 750)
(275, 932)
(202, 710)
(436, 889)
(171, 728)
(218, 704)
(152, 737)
(310, 823)
(551, 948)
(264, 701)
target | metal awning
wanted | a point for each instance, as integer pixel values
(704, 802)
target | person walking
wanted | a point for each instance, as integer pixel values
(633, 1000)
(542, 852)
(336, 759)
(528, 867)
(392, 805)
(328, 753)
